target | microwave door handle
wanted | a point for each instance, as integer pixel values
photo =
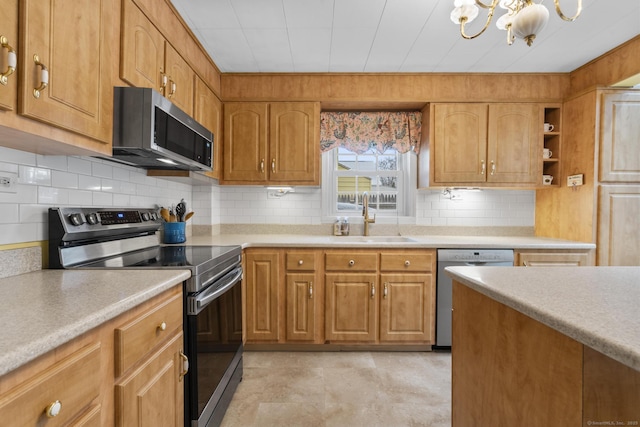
(205, 298)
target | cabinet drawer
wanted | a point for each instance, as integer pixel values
(345, 261)
(301, 261)
(137, 337)
(74, 382)
(406, 261)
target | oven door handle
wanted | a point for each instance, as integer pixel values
(198, 302)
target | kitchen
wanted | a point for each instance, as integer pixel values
(77, 180)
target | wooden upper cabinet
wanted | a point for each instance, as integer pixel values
(72, 42)
(207, 110)
(460, 142)
(8, 29)
(272, 143)
(619, 130)
(142, 55)
(148, 60)
(245, 141)
(179, 87)
(514, 146)
(294, 142)
(486, 143)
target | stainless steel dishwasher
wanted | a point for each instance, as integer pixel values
(460, 257)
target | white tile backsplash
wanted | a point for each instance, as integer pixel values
(46, 181)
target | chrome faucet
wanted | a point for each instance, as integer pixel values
(365, 213)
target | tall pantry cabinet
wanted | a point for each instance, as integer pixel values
(601, 139)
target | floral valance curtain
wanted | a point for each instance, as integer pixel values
(361, 131)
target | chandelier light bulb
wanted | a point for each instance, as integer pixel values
(470, 12)
(529, 21)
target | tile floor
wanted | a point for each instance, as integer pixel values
(308, 389)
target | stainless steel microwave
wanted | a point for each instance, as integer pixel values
(150, 132)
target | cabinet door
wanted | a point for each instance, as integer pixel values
(142, 54)
(407, 308)
(351, 307)
(618, 225)
(301, 307)
(294, 142)
(245, 141)
(619, 130)
(179, 88)
(72, 40)
(262, 274)
(153, 395)
(514, 150)
(207, 110)
(8, 29)
(552, 259)
(460, 143)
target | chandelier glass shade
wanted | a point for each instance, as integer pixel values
(522, 19)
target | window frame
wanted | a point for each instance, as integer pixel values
(406, 195)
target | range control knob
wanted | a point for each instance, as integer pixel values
(92, 219)
(76, 219)
(145, 216)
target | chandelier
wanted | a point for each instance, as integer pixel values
(523, 18)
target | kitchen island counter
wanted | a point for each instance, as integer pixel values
(44, 309)
(545, 346)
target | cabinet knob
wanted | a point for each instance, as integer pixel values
(11, 60)
(407, 263)
(162, 326)
(44, 77)
(352, 262)
(53, 409)
(300, 262)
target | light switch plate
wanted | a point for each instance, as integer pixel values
(575, 180)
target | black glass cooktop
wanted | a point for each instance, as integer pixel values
(194, 258)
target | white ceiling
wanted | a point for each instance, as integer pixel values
(395, 36)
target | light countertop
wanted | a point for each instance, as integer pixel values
(414, 241)
(596, 306)
(44, 309)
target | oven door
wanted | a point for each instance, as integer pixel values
(213, 339)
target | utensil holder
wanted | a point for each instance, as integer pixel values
(174, 232)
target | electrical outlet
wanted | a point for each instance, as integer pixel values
(8, 182)
(575, 180)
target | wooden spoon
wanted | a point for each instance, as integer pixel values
(164, 213)
(187, 216)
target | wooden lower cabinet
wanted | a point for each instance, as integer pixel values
(262, 276)
(153, 394)
(557, 258)
(81, 375)
(351, 307)
(326, 296)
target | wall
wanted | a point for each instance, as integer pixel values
(45, 181)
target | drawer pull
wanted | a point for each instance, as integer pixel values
(163, 81)
(310, 290)
(483, 167)
(172, 89)
(493, 168)
(352, 262)
(273, 165)
(385, 290)
(44, 77)
(185, 364)
(162, 326)
(11, 60)
(300, 262)
(407, 263)
(53, 409)
(373, 290)
(261, 165)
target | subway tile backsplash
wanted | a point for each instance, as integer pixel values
(45, 181)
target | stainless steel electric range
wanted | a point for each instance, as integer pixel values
(112, 238)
